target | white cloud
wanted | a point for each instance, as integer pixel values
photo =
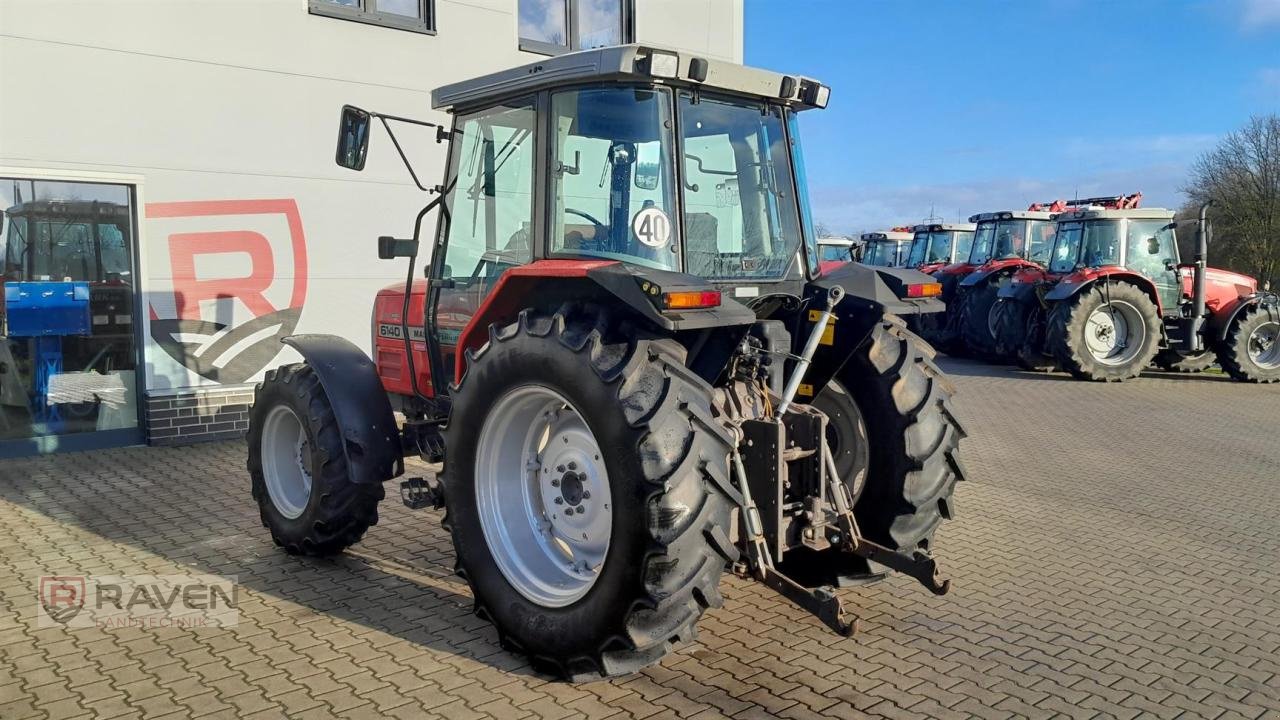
(1259, 14)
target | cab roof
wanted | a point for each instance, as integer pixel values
(633, 63)
(946, 227)
(1095, 212)
(837, 241)
(1011, 215)
(883, 236)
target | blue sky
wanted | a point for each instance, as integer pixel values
(989, 105)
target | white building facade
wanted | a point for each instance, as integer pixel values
(174, 160)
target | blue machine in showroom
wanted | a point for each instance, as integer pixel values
(46, 312)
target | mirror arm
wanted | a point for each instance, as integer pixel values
(403, 158)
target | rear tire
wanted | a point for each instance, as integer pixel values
(667, 470)
(978, 322)
(1105, 335)
(298, 469)
(1251, 350)
(1174, 361)
(914, 438)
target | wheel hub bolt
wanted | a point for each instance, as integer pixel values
(568, 511)
(579, 509)
(586, 494)
(559, 468)
(555, 482)
(573, 466)
(559, 500)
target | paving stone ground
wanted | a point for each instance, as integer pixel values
(1114, 555)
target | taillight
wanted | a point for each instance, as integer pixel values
(691, 300)
(924, 290)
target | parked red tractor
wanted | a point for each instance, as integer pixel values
(1003, 243)
(629, 364)
(1122, 298)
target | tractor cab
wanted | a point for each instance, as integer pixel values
(836, 251)
(937, 245)
(886, 249)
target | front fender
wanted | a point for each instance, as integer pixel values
(1268, 300)
(370, 436)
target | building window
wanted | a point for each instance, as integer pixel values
(556, 26)
(414, 15)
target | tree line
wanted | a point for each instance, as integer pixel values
(1242, 178)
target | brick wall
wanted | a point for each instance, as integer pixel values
(198, 415)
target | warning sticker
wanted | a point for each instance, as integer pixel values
(652, 227)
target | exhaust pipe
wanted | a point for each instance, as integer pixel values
(1196, 341)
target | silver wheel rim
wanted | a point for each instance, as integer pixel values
(286, 461)
(1264, 346)
(1114, 333)
(542, 493)
(993, 319)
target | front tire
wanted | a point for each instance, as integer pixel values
(298, 470)
(1251, 350)
(663, 459)
(1106, 335)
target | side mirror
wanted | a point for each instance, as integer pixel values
(353, 138)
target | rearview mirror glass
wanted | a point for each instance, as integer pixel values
(353, 138)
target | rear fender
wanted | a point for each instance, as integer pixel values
(1079, 282)
(878, 289)
(549, 284)
(1018, 292)
(1221, 323)
(870, 297)
(370, 437)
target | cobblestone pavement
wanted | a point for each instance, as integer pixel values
(1115, 554)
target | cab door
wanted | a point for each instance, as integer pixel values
(1151, 250)
(488, 227)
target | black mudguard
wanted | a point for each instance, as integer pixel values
(1018, 292)
(880, 288)
(976, 278)
(371, 439)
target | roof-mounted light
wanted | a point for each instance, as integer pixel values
(661, 64)
(1006, 216)
(814, 93)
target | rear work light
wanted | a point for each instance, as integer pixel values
(691, 300)
(924, 290)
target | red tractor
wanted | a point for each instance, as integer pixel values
(1123, 299)
(1003, 243)
(1016, 320)
(629, 364)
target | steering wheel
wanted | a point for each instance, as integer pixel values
(585, 216)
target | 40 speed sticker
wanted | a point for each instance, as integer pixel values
(652, 227)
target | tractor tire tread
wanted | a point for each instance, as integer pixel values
(345, 510)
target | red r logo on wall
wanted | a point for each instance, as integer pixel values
(195, 295)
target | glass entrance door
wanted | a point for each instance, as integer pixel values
(68, 324)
